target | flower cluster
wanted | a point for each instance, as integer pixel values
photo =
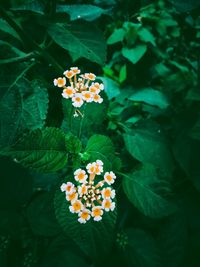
(81, 88)
(90, 198)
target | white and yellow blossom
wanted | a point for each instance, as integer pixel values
(97, 213)
(109, 177)
(108, 205)
(90, 198)
(80, 176)
(82, 88)
(68, 92)
(60, 82)
(84, 216)
(108, 193)
(76, 206)
(77, 100)
(68, 188)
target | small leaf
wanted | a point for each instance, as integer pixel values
(134, 54)
(111, 87)
(94, 238)
(148, 193)
(146, 36)
(116, 36)
(86, 12)
(151, 97)
(42, 150)
(81, 39)
(122, 74)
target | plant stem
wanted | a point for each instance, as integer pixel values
(17, 59)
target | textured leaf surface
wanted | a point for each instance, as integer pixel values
(101, 147)
(42, 150)
(81, 39)
(94, 238)
(148, 193)
(149, 146)
(86, 12)
(150, 97)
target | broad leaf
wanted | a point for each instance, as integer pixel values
(101, 147)
(148, 193)
(81, 39)
(111, 87)
(94, 238)
(24, 106)
(150, 146)
(86, 12)
(42, 150)
(134, 54)
(150, 97)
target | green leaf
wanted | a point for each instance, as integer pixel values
(5, 27)
(142, 250)
(101, 147)
(134, 54)
(90, 123)
(122, 74)
(86, 12)
(146, 36)
(148, 193)
(82, 39)
(73, 144)
(94, 238)
(111, 87)
(42, 150)
(116, 36)
(150, 146)
(195, 131)
(150, 97)
(31, 5)
(41, 216)
(24, 106)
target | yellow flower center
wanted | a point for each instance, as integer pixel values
(96, 97)
(60, 82)
(107, 204)
(109, 177)
(97, 212)
(77, 206)
(107, 193)
(72, 196)
(81, 176)
(84, 215)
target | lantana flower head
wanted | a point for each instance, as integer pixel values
(80, 88)
(89, 197)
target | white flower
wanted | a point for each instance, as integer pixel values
(80, 176)
(109, 177)
(97, 99)
(108, 205)
(90, 76)
(60, 82)
(72, 196)
(87, 96)
(108, 193)
(84, 216)
(75, 70)
(76, 206)
(68, 187)
(68, 92)
(97, 213)
(77, 100)
(69, 74)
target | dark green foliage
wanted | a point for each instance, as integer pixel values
(147, 131)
